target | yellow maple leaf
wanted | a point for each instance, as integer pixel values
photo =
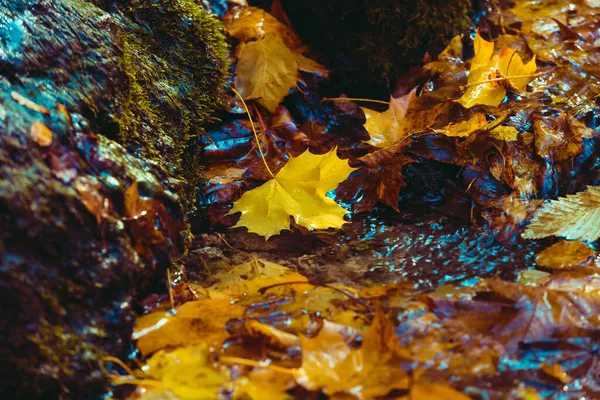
(489, 76)
(299, 189)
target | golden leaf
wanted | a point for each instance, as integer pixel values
(565, 254)
(330, 365)
(247, 279)
(506, 133)
(403, 117)
(201, 321)
(465, 128)
(489, 76)
(184, 373)
(40, 134)
(299, 189)
(266, 70)
(269, 56)
(575, 217)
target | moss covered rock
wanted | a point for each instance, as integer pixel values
(98, 103)
(369, 43)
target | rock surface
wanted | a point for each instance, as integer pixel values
(98, 104)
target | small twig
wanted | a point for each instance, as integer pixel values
(119, 363)
(355, 99)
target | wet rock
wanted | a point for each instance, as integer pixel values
(99, 102)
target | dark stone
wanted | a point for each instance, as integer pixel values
(123, 87)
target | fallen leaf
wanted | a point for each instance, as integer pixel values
(183, 374)
(465, 128)
(404, 116)
(299, 189)
(222, 175)
(266, 70)
(556, 371)
(565, 254)
(40, 134)
(490, 76)
(373, 183)
(434, 391)
(330, 365)
(262, 384)
(506, 133)
(195, 322)
(575, 217)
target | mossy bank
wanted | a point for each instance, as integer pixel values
(118, 91)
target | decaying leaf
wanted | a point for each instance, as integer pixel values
(299, 189)
(575, 217)
(375, 182)
(490, 76)
(41, 134)
(506, 133)
(565, 254)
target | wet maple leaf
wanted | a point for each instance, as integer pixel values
(249, 278)
(465, 128)
(266, 70)
(184, 373)
(543, 313)
(376, 183)
(490, 76)
(403, 117)
(262, 384)
(300, 190)
(575, 217)
(433, 391)
(330, 365)
(269, 56)
(565, 254)
(201, 321)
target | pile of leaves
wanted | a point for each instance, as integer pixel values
(511, 111)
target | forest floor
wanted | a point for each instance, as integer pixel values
(461, 270)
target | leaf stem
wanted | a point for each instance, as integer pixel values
(252, 363)
(262, 155)
(355, 99)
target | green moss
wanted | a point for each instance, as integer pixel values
(371, 42)
(174, 59)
